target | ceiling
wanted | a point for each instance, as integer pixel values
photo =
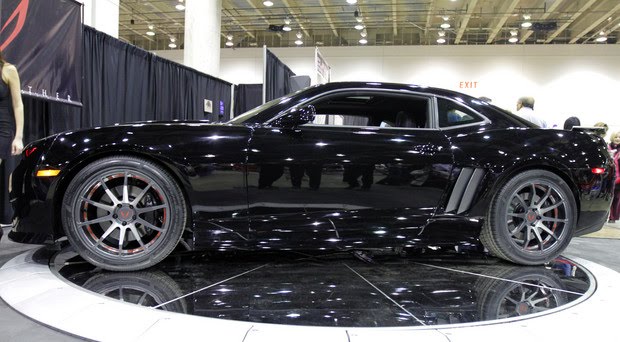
(387, 22)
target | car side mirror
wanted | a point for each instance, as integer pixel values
(298, 117)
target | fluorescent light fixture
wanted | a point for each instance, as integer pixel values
(150, 33)
(351, 2)
(286, 28)
(268, 3)
(287, 21)
(601, 39)
(359, 27)
(172, 45)
(299, 35)
(445, 25)
(526, 24)
(229, 43)
(364, 33)
(441, 40)
(441, 33)
(180, 7)
(363, 41)
(299, 42)
(513, 39)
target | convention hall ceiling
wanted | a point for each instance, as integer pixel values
(250, 23)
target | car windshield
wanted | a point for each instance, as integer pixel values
(267, 110)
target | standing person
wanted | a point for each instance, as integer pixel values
(604, 127)
(614, 144)
(525, 109)
(571, 122)
(11, 111)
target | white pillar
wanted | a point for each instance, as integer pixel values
(102, 15)
(202, 35)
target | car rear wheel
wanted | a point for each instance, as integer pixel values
(123, 213)
(531, 219)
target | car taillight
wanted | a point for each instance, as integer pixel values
(30, 151)
(598, 170)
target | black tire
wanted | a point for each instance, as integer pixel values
(123, 213)
(531, 219)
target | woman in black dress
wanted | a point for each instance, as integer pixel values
(11, 111)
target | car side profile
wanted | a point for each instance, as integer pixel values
(340, 166)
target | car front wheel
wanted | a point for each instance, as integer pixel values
(123, 213)
(531, 219)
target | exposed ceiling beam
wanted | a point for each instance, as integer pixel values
(301, 25)
(502, 20)
(226, 11)
(570, 21)
(394, 18)
(595, 24)
(607, 30)
(546, 15)
(429, 15)
(329, 18)
(143, 18)
(470, 9)
(260, 13)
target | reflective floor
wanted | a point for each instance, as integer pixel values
(338, 289)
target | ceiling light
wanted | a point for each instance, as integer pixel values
(299, 35)
(286, 28)
(268, 3)
(150, 33)
(601, 39)
(359, 27)
(441, 40)
(445, 18)
(299, 42)
(513, 39)
(172, 39)
(363, 41)
(229, 37)
(229, 43)
(172, 45)
(441, 33)
(287, 21)
(445, 26)
(180, 7)
(526, 24)
(514, 32)
(364, 33)
(351, 2)
(527, 17)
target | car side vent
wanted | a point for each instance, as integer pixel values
(464, 190)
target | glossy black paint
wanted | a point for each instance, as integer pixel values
(337, 289)
(256, 184)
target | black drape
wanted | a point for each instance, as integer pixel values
(277, 78)
(247, 96)
(122, 83)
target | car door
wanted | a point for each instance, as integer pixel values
(367, 172)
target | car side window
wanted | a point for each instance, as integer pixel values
(372, 109)
(454, 114)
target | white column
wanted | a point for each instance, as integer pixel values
(102, 15)
(202, 35)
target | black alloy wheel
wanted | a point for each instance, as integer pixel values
(531, 219)
(123, 213)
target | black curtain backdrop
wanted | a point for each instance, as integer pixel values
(121, 84)
(247, 96)
(277, 80)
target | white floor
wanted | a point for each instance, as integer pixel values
(36, 292)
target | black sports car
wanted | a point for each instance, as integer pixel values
(348, 166)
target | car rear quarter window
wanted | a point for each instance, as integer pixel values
(450, 114)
